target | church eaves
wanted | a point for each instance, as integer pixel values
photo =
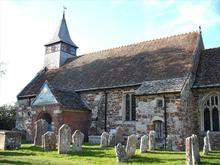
(62, 34)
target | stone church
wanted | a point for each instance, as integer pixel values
(170, 85)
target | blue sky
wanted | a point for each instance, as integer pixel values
(25, 26)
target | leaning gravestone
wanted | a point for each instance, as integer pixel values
(41, 127)
(111, 139)
(104, 139)
(131, 145)
(119, 135)
(169, 141)
(205, 147)
(121, 155)
(49, 141)
(144, 143)
(77, 140)
(64, 139)
(152, 141)
(209, 140)
(195, 149)
(188, 151)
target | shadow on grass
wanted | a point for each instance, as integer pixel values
(13, 162)
(92, 151)
(140, 159)
(166, 152)
(208, 163)
(34, 148)
(11, 153)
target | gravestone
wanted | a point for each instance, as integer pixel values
(205, 146)
(49, 141)
(111, 140)
(131, 145)
(188, 151)
(10, 140)
(64, 139)
(144, 144)
(77, 140)
(209, 140)
(195, 149)
(104, 139)
(152, 141)
(169, 141)
(119, 135)
(120, 153)
(41, 127)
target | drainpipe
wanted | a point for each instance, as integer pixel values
(165, 121)
(106, 99)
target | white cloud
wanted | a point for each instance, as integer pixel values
(188, 17)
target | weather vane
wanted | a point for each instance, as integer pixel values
(64, 8)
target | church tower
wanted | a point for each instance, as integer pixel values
(60, 47)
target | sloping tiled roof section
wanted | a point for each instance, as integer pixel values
(161, 86)
(70, 100)
(208, 72)
(160, 59)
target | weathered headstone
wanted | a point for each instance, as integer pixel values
(119, 135)
(64, 139)
(41, 127)
(188, 151)
(169, 141)
(10, 140)
(111, 139)
(152, 141)
(77, 140)
(195, 149)
(144, 144)
(205, 146)
(120, 153)
(49, 141)
(104, 139)
(209, 140)
(131, 145)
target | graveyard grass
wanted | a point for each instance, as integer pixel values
(94, 155)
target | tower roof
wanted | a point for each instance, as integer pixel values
(62, 34)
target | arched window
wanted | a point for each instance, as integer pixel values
(130, 107)
(158, 128)
(215, 118)
(210, 114)
(206, 119)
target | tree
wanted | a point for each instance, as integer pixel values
(7, 116)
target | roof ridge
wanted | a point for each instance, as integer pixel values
(211, 48)
(137, 43)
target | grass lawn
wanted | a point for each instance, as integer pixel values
(93, 154)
